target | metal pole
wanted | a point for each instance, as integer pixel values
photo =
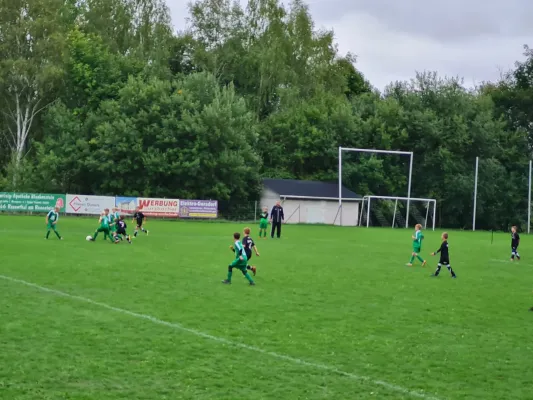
(409, 190)
(434, 213)
(475, 195)
(529, 200)
(361, 213)
(340, 185)
(255, 212)
(394, 216)
(427, 215)
(368, 214)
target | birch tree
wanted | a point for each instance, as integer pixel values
(31, 37)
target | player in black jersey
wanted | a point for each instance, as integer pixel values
(248, 244)
(444, 256)
(120, 232)
(139, 218)
(515, 242)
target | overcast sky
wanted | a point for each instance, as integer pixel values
(473, 39)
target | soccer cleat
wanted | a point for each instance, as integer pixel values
(434, 276)
(226, 282)
(454, 276)
(252, 283)
(424, 263)
(408, 265)
(254, 269)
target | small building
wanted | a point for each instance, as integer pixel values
(310, 202)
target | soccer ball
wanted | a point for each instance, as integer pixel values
(89, 238)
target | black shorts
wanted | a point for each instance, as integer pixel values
(248, 254)
(122, 231)
(139, 223)
(444, 261)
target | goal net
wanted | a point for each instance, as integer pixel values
(389, 211)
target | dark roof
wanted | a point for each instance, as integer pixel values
(295, 188)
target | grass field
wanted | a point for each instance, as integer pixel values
(335, 315)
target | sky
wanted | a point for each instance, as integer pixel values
(472, 39)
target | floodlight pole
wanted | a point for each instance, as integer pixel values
(529, 200)
(340, 186)
(475, 195)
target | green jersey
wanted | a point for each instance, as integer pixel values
(53, 216)
(239, 251)
(104, 222)
(417, 241)
(264, 215)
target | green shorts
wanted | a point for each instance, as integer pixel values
(416, 249)
(51, 226)
(263, 224)
(104, 230)
(239, 264)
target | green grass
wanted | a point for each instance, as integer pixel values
(331, 307)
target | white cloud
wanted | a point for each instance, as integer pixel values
(388, 52)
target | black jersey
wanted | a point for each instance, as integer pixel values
(444, 252)
(139, 216)
(248, 244)
(515, 240)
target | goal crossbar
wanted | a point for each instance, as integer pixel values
(368, 200)
(376, 151)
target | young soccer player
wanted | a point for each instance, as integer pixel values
(515, 242)
(139, 218)
(121, 231)
(103, 228)
(51, 222)
(417, 246)
(263, 223)
(444, 256)
(113, 221)
(240, 262)
(249, 244)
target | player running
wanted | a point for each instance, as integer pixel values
(51, 223)
(249, 244)
(139, 218)
(240, 262)
(103, 228)
(417, 246)
(120, 232)
(444, 256)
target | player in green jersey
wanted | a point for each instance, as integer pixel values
(104, 227)
(113, 219)
(51, 222)
(240, 262)
(263, 223)
(417, 246)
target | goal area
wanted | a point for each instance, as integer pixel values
(390, 211)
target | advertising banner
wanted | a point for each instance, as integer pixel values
(91, 205)
(126, 205)
(198, 208)
(31, 202)
(158, 207)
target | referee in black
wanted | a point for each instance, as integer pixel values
(276, 216)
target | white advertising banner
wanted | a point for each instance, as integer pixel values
(91, 205)
(159, 207)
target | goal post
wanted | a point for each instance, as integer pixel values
(376, 151)
(395, 213)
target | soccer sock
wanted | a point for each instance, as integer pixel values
(247, 276)
(47, 233)
(230, 273)
(144, 230)
(420, 258)
(438, 270)
(248, 267)
(95, 235)
(57, 234)
(135, 233)
(451, 270)
(412, 259)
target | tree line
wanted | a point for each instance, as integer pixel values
(102, 97)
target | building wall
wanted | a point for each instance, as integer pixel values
(300, 211)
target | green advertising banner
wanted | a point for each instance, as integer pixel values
(31, 202)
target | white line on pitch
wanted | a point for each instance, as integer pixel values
(218, 339)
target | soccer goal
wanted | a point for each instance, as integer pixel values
(376, 151)
(393, 211)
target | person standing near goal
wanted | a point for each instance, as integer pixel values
(276, 217)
